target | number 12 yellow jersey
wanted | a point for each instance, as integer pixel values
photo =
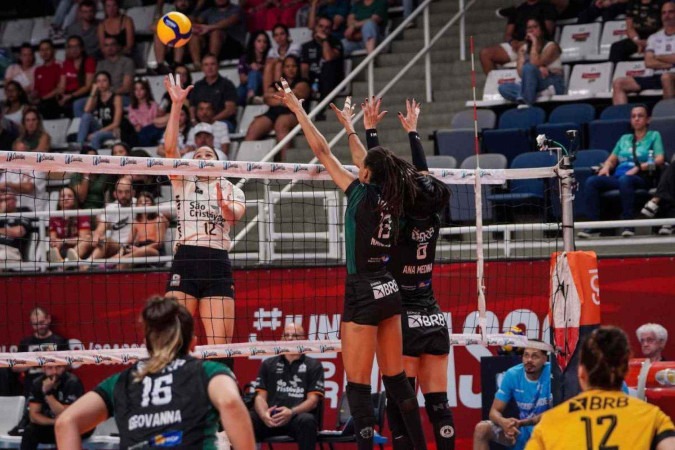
(601, 420)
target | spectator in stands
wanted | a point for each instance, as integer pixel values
(47, 76)
(663, 200)
(186, 7)
(256, 13)
(287, 11)
(218, 91)
(279, 118)
(50, 395)
(251, 67)
(9, 131)
(77, 77)
(102, 114)
(91, 189)
(643, 18)
(143, 109)
(289, 391)
(33, 137)
(514, 36)
(183, 132)
(366, 23)
(322, 59)
(29, 186)
(539, 66)
(212, 135)
(284, 47)
(220, 28)
(147, 234)
(86, 27)
(146, 184)
(117, 26)
(653, 338)
(626, 169)
(114, 226)
(13, 230)
(24, 71)
(120, 68)
(607, 9)
(529, 385)
(336, 10)
(69, 237)
(659, 56)
(16, 101)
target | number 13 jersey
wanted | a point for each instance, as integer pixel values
(200, 220)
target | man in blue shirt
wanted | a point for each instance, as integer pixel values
(529, 385)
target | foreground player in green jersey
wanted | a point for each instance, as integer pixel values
(171, 399)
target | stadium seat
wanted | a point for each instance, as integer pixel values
(140, 56)
(612, 31)
(513, 136)
(587, 81)
(441, 162)
(460, 144)
(57, 130)
(254, 150)
(250, 113)
(567, 117)
(462, 197)
(617, 112)
(156, 83)
(665, 126)
(492, 161)
(627, 69)
(522, 118)
(491, 95)
(464, 119)
(17, 32)
(230, 73)
(143, 19)
(12, 409)
(73, 129)
(604, 134)
(664, 108)
(585, 160)
(196, 76)
(40, 31)
(577, 41)
(300, 35)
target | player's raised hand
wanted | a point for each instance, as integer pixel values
(345, 115)
(409, 121)
(175, 90)
(224, 197)
(371, 112)
(287, 97)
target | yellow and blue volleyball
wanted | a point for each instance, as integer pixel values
(174, 29)
(513, 331)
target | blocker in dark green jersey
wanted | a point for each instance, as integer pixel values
(167, 409)
(368, 231)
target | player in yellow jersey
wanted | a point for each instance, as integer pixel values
(603, 417)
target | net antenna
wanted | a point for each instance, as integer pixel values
(480, 259)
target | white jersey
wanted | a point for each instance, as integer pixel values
(119, 224)
(661, 44)
(200, 220)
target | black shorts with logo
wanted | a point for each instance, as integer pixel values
(425, 331)
(201, 272)
(371, 298)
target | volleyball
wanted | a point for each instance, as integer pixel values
(174, 29)
(513, 331)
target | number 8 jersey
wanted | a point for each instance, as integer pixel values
(200, 220)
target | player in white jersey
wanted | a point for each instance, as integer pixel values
(207, 208)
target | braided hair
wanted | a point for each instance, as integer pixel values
(396, 177)
(604, 355)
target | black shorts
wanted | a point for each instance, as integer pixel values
(649, 82)
(371, 298)
(275, 111)
(201, 272)
(425, 331)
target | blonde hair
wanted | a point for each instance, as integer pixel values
(168, 333)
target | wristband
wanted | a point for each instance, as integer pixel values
(371, 138)
(350, 134)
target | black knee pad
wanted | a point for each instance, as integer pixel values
(361, 408)
(399, 388)
(440, 416)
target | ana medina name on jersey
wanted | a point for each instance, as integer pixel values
(414, 270)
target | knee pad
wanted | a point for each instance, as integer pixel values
(360, 404)
(399, 388)
(440, 414)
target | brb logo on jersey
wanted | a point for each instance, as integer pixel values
(417, 320)
(382, 290)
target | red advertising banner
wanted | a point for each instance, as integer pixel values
(101, 310)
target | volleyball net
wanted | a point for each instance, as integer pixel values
(287, 253)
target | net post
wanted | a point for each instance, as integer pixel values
(567, 200)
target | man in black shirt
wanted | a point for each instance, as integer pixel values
(322, 59)
(50, 395)
(218, 91)
(514, 36)
(289, 390)
(13, 230)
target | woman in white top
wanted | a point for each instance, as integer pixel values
(282, 47)
(539, 67)
(24, 71)
(207, 208)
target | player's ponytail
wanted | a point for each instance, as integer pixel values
(395, 176)
(604, 355)
(168, 333)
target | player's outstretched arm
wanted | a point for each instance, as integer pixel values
(345, 116)
(371, 117)
(224, 394)
(178, 96)
(409, 123)
(317, 142)
(80, 417)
